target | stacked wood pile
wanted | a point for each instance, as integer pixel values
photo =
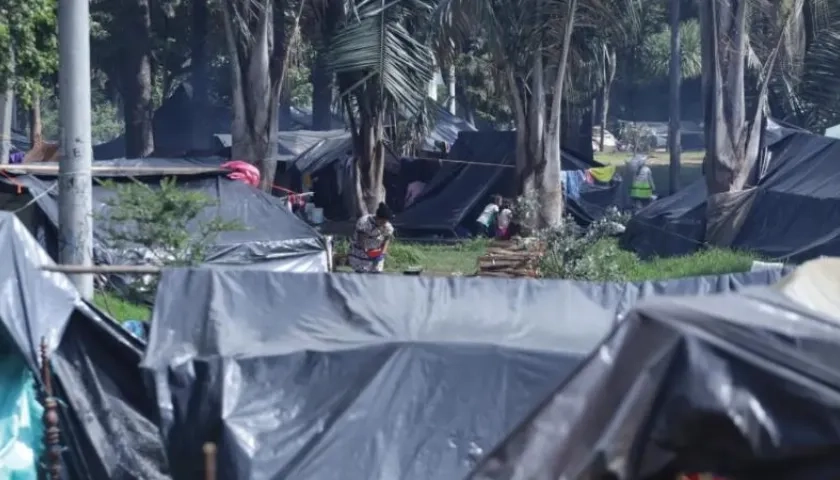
(510, 259)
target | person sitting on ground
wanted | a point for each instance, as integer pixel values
(642, 190)
(503, 220)
(486, 221)
(370, 241)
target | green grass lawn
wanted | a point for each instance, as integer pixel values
(121, 310)
(713, 261)
(461, 259)
(690, 166)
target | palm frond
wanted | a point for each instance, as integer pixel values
(376, 46)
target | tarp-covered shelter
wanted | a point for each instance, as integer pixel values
(293, 143)
(173, 132)
(272, 238)
(483, 164)
(106, 418)
(368, 376)
(792, 212)
(744, 386)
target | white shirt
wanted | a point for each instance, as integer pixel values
(503, 220)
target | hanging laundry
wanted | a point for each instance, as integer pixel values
(572, 181)
(243, 172)
(16, 157)
(602, 174)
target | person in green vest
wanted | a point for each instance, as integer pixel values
(642, 190)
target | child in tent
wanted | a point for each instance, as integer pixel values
(485, 223)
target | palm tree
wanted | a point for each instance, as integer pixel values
(382, 70)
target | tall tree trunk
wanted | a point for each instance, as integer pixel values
(199, 75)
(467, 112)
(372, 161)
(450, 82)
(675, 80)
(732, 142)
(322, 93)
(137, 80)
(35, 127)
(609, 76)
(6, 99)
(258, 68)
(551, 183)
(285, 122)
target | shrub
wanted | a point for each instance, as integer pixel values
(161, 226)
(576, 253)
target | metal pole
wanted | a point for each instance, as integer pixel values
(75, 204)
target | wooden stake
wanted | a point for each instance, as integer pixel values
(209, 461)
(52, 434)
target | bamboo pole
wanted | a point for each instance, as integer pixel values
(103, 269)
(52, 169)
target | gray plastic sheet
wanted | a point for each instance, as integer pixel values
(106, 418)
(301, 376)
(744, 386)
(272, 237)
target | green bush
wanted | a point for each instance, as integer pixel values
(575, 253)
(162, 226)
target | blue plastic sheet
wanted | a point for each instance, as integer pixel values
(21, 430)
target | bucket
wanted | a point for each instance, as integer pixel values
(316, 216)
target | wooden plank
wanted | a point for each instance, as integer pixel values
(103, 269)
(113, 171)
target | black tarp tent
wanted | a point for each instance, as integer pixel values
(792, 212)
(458, 189)
(744, 386)
(106, 418)
(365, 376)
(272, 238)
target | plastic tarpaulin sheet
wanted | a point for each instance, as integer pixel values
(794, 181)
(620, 297)
(798, 187)
(366, 376)
(356, 376)
(105, 414)
(21, 430)
(743, 386)
(671, 226)
(272, 238)
(458, 189)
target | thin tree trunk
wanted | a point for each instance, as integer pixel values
(6, 100)
(322, 91)
(467, 112)
(371, 162)
(675, 80)
(200, 72)
(551, 184)
(137, 80)
(35, 127)
(609, 77)
(450, 81)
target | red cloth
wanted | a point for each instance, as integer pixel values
(243, 172)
